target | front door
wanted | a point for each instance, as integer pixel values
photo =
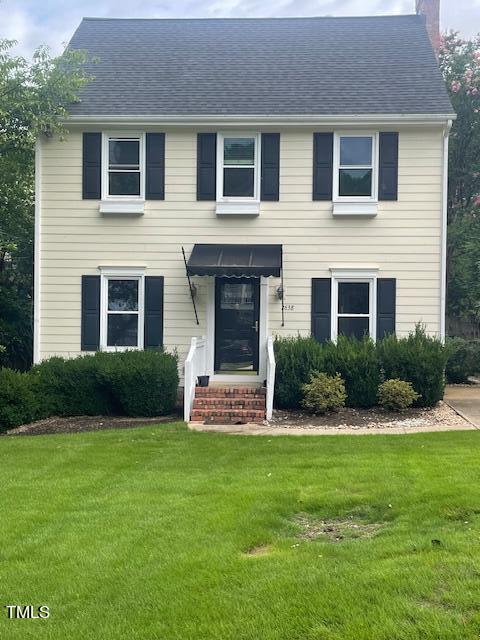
(237, 305)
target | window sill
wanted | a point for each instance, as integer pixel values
(355, 208)
(122, 207)
(237, 208)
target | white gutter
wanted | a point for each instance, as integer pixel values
(443, 259)
(37, 257)
(285, 120)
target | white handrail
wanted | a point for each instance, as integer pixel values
(195, 365)
(270, 377)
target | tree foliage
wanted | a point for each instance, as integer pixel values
(34, 98)
(460, 65)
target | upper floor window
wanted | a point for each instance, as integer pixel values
(355, 166)
(124, 166)
(238, 167)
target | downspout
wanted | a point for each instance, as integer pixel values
(36, 255)
(443, 262)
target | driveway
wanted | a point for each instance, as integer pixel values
(465, 399)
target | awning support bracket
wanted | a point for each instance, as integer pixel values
(190, 286)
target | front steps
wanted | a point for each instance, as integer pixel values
(229, 405)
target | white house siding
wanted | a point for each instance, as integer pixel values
(404, 240)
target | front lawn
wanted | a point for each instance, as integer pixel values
(160, 533)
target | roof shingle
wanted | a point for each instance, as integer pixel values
(285, 66)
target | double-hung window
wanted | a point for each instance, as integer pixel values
(355, 159)
(124, 166)
(238, 167)
(353, 305)
(121, 322)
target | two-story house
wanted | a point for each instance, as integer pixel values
(225, 181)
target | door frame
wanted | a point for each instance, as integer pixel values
(256, 308)
(262, 336)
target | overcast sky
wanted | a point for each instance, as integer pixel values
(52, 22)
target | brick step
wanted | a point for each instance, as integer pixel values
(229, 403)
(228, 392)
(247, 415)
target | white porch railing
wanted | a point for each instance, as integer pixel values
(195, 365)
(270, 377)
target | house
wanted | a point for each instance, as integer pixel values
(226, 181)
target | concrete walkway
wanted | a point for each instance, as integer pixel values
(465, 400)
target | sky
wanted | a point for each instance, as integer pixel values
(52, 22)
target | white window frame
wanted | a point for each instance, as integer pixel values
(126, 135)
(354, 276)
(113, 273)
(373, 198)
(220, 167)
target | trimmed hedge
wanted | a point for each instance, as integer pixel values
(419, 359)
(396, 395)
(463, 359)
(132, 383)
(324, 393)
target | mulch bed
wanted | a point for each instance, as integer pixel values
(77, 424)
(375, 418)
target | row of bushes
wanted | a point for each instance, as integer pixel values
(363, 364)
(132, 383)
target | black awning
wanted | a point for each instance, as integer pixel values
(235, 260)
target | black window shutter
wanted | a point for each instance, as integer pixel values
(153, 330)
(322, 166)
(386, 302)
(321, 308)
(90, 331)
(92, 166)
(155, 166)
(270, 166)
(207, 166)
(388, 166)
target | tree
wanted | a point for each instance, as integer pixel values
(34, 98)
(460, 65)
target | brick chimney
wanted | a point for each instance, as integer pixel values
(431, 10)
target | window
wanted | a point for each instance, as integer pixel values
(353, 305)
(238, 167)
(123, 174)
(121, 323)
(355, 166)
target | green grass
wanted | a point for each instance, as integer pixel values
(142, 533)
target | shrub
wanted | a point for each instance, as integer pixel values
(17, 400)
(324, 393)
(358, 363)
(419, 359)
(463, 359)
(396, 395)
(72, 387)
(296, 358)
(142, 383)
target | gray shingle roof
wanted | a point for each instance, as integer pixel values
(286, 66)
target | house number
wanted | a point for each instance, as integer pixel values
(289, 307)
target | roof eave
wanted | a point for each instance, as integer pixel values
(263, 119)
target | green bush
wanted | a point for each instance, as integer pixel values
(463, 359)
(72, 387)
(396, 395)
(324, 393)
(419, 359)
(296, 358)
(18, 403)
(142, 383)
(358, 363)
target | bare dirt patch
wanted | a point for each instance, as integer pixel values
(336, 529)
(258, 550)
(77, 424)
(375, 418)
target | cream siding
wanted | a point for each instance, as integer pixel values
(404, 240)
